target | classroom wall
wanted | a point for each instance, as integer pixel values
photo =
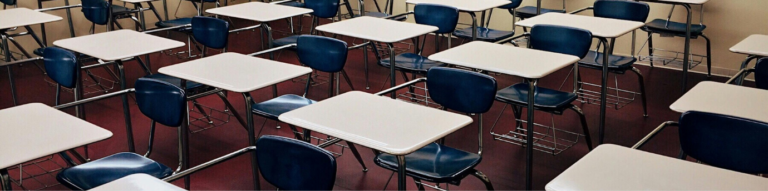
(728, 21)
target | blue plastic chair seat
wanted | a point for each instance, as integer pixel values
(382, 15)
(175, 22)
(285, 41)
(530, 11)
(676, 28)
(615, 63)
(412, 62)
(434, 163)
(107, 169)
(39, 51)
(117, 9)
(274, 107)
(545, 99)
(293, 4)
(192, 87)
(484, 34)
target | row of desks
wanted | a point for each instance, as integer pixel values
(365, 28)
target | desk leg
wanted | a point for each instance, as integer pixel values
(183, 132)
(126, 107)
(401, 172)
(7, 53)
(392, 77)
(154, 10)
(165, 9)
(234, 112)
(365, 62)
(538, 7)
(268, 30)
(744, 65)
(603, 90)
(142, 20)
(69, 21)
(5, 179)
(529, 136)
(251, 139)
(687, 51)
(474, 25)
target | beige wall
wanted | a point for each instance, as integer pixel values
(728, 21)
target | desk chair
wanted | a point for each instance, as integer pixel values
(530, 11)
(617, 64)
(666, 27)
(326, 9)
(103, 12)
(558, 39)
(291, 164)
(309, 48)
(62, 66)
(209, 32)
(492, 35)
(761, 74)
(722, 141)
(163, 103)
(464, 92)
(185, 21)
(445, 18)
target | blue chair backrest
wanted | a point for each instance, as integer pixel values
(8, 2)
(512, 5)
(322, 53)
(443, 17)
(61, 66)
(622, 9)
(761, 74)
(211, 32)
(461, 90)
(725, 141)
(323, 8)
(291, 164)
(96, 11)
(560, 39)
(161, 101)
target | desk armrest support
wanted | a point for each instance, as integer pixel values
(166, 29)
(280, 2)
(272, 50)
(740, 75)
(58, 8)
(205, 165)
(398, 15)
(582, 10)
(401, 86)
(653, 133)
(92, 99)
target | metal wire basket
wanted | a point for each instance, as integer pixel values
(38, 174)
(547, 139)
(203, 117)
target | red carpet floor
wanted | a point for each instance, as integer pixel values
(503, 163)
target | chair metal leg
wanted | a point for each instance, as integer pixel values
(202, 111)
(682, 155)
(295, 132)
(485, 179)
(346, 78)
(584, 125)
(151, 138)
(642, 90)
(418, 184)
(709, 56)
(650, 48)
(357, 155)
